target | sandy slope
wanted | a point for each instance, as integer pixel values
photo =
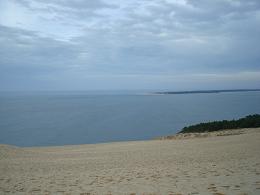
(211, 165)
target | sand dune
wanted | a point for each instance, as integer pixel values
(226, 132)
(210, 165)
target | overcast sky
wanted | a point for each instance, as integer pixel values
(137, 44)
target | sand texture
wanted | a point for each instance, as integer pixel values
(207, 134)
(209, 165)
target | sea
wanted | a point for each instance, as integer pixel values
(87, 117)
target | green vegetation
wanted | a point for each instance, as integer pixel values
(250, 121)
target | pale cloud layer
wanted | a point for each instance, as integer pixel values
(139, 44)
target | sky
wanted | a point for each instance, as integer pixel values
(129, 45)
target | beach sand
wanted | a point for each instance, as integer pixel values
(204, 165)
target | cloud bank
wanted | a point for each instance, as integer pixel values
(140, 44)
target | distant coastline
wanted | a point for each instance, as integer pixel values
(204, 91)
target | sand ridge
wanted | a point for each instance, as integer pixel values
(210, 165)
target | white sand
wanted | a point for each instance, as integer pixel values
(212, 165)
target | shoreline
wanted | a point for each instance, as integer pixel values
(176, 136)
(206, 91)
(209, 165)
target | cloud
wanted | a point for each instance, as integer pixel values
(26, 49)
(66, 9)
(70, 41)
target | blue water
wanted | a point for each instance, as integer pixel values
(41, 119)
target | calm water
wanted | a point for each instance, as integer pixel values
(77, 118)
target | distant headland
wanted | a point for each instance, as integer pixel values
(205, 91)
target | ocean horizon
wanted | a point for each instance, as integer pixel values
(52, 118)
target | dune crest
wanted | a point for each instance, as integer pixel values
(212, 165)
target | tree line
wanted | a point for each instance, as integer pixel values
(250, 121)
